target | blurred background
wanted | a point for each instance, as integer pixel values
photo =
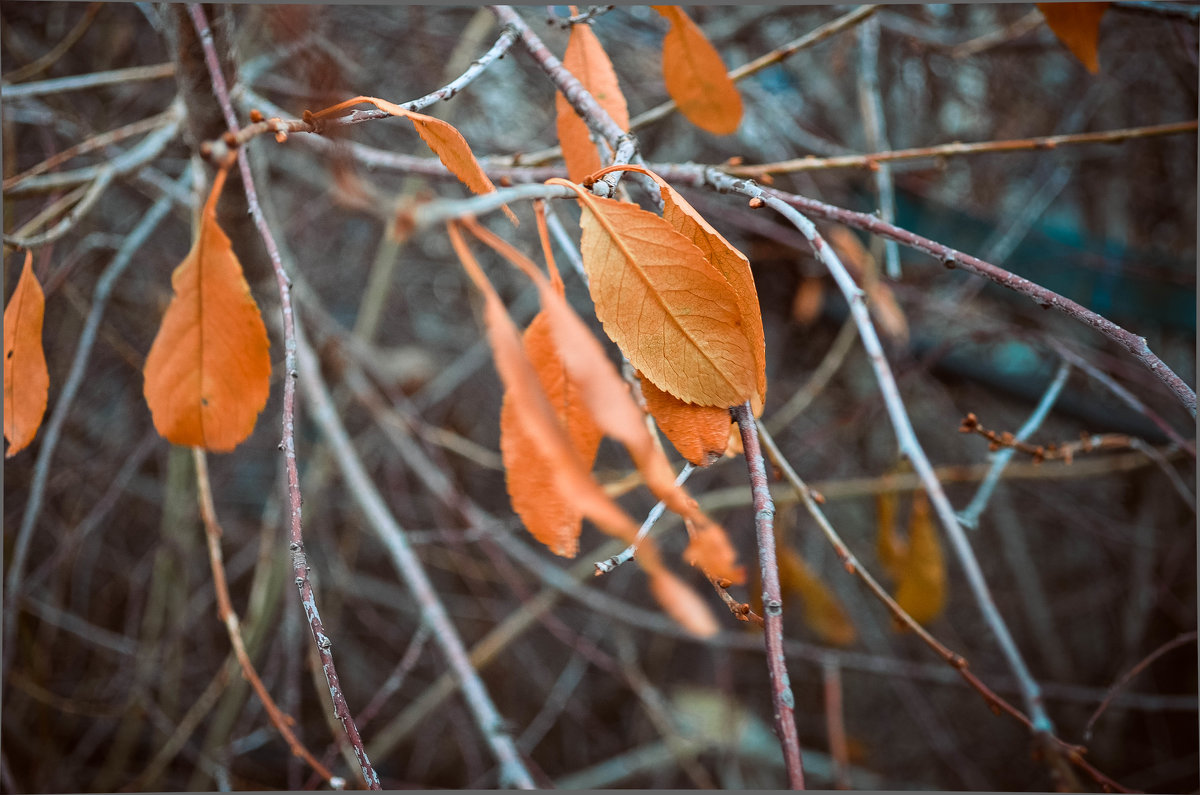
(119, 673)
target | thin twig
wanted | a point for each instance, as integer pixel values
(764, 516)
(288, 444)
(969, 516)
(608, 564)
(835, 724)
(88, 81)
(44, 62)
(1127, 677)
(136, 238)
(228, 617)
(870, 161)
(818, 380)
(85, 204)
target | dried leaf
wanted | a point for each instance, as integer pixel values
(683, 604)
(586, 60)
(822, 611)
(442, 137)
(696, 77)
(1077, 25)
(26, 379)
(550, 516)
(699, 433)
(891, 548)
(710, 550)
(921, 590)
(208, 373)
(671, 312)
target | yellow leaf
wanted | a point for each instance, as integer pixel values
(1077, 25)
(586, 60)
(670, 311)
(552, 517)
(26, 379)
(208, 373)
(921, 590)
(699, 433)
(696, 77)
(822, 611)
(442, 137)
(891, 548)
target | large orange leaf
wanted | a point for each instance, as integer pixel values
(552, 517)
(208, 373)
(1077, 25)
(586, 60)
(442, 137)
(696, 77)
(673, 315)
(26, 379)
(699, 433)
(921, 589)
(822, 611)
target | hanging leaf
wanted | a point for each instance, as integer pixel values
(891, 548)
(208, 373)
(822, 611)
(696, 77)
(1077, 25)
(683, 604)
(673, 315)
(808, 300)
(586, 60)
(551, 517)
(881, 301)
(709, 550)
(26, 379)
(921, 590)
(442, 137)
(699, 433)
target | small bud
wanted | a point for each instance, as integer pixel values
(230, 139)
(255, 115)
(724, 582)
(756, 203)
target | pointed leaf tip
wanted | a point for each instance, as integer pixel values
(26, 378)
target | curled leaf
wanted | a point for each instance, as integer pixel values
(586, 60)
(699, 433)
(208, 373)
(26, 378)
(696, 77)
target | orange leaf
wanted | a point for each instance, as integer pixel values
(208, 373)
(822, 611)
(442, 137)
(670, 311)
(1077, 25)
(586, 60)
(26, 379)
(550, 516)
(696, 77)
(806, 303)
(921, 590)
(683, 604)
(710, 550)
(699, 433)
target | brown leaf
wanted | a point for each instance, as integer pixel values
(822, 611)
(699, 433)
(891, 548)
(807, 302)
(696, 77)
(208, 373)
(921, 590)
(1077, 25)
(670, 311)
(881, 301)
(550, 516)
(26, 378)
(710, 550)
(586, 60)
(442, 137)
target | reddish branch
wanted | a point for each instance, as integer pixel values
(288, 444)
(872, 161)
(764, 520)
(1182, 640)
(1065, 452)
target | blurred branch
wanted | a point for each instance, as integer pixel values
(1127, 677)
(59, 50)
(89, 81)
(871, 102)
